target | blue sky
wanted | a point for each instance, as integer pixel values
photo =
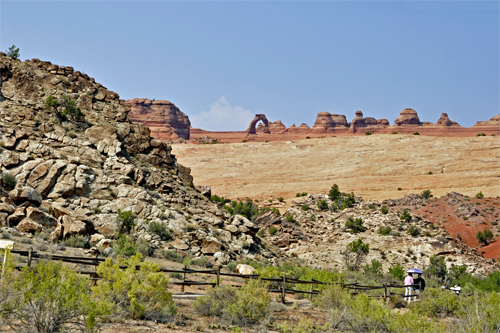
(223, 62)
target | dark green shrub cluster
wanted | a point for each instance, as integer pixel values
(276, 211)
(368, 133)
(374, 269)
(160, 229)
(354, 225)
(9, 181)
(127, 246)
(339, 201)
(216, 198)
(78, 241)
(416, 133)
(322, 205)
(272, 230)
(437, 267)
(13, 52)
(405, 215)
(480, 195)
(242, 307)
(290, 218)
(426, 194)
(397, 271)
(384, 231)
(126, 221)
(334, 193)
(384, 210)
(173, 256)
(354, 254)
(281, 199)
(305, 207)
(480, 134)
(484, 236)
(303, 194)
(413, 231)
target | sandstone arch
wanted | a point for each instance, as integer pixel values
(256, 119)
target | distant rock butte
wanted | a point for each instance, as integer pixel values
(163, 118)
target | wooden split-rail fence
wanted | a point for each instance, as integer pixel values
(280, 282)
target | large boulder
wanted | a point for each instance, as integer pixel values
(27, 225)
(41, 217)
(23, 194)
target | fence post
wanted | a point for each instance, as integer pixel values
(218, 275)
(311, 289)
(283, 290)
(30, 252)
(385, 292)
(183, 279)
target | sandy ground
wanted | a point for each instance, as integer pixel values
(373, 167)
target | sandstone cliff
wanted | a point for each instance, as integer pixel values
(163, 118)
(78, 160)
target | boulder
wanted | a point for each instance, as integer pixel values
(105, 224)
(7, 208)
(41, 217)
(27, 225)
(95, 238)
(445, 121)
(210, 246)
(23, 194)
(179, 244)
(104, 243)
(206, 191)
(10, 159)
(407, 117)
(73, 226)
(245, 269)
(17, 216)
(359, 120)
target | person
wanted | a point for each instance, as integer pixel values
(421, 284)
(409, 290)
(443, 287)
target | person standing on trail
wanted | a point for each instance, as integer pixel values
(421, 284)
(409, 290)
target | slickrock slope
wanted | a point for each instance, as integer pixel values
(319, 235)
(374, 166)
(163, 118)
(74, 173)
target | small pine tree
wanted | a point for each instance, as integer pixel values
(13, 52)
(334, 193)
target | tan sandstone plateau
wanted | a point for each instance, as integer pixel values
(373, 167)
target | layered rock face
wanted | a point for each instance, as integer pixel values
(407, 117)
(274, 127)
(494, 121)
(77, 160)
(163, 118)
(325, 121)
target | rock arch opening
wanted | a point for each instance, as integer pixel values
(258, 117)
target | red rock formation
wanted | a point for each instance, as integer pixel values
(163, 118)
(274, 127)
(258, 117)
(383, 122)
(359, 120)
(326, 121)
(445, 121)
(494, 121)
(407, 117)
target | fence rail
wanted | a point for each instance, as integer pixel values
(283, 281)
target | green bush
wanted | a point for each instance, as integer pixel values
(384, 231)
(305, 207)
(281, 199)
(216, 198)
(368, 133)
(229, 209)
(435, 302)
(400, 189)
(334, 193)
(172, 256)
(398, 272)
(426, 194)
(303, 194)
(126, 221)
(272, 230)
(297, 195)
(384, 210)
(50, 297)
(136, 293)
(49, 102)
(430, 173)
(78, 241)
(484, 236)
(437, 267)
(160, 229)
(232, 267)
(9, 181)
(290, 218)
(276, 211)
(405, 215)
(374, 269)
(416, 133)
(13, 52)
(242, 307)
(355, 254)
(480, 195)
(70, 109)
(126, 246)
(322, 205)
(355, 225)
(413, 231)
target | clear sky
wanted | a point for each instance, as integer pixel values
(223, 62)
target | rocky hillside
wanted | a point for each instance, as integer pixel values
(77, 160)
(320, 235)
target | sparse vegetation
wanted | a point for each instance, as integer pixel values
(290, 218)
(160, 229)
(384, 231)
(272, 230)
(49, 103)
(480, 195)
(305, 207)
(384, 210)
(484, 236)
(413, 231)
(280, 199)
(78, 241)
(426, 194)
(355, 254)
(354, 225)
(405, 215)
(13, 52)
(126, 221)
(322, 205)
(368, 133)
(416, 133)
(9, 181)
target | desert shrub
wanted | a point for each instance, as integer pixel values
(405, 215)
(126, 221)
(203, 262)
(305, 207)
(480, 195)
(480, 134)
(437, 267)
(435, 302)
(281, 199)
(229, 209)
(70, 108)
(216, 198)
(290, 218)
(308, 137)
(426, 194)
(303, 194)
(50, 297)
(416, 133)
(355, 254)
(297, 195)
(397, 272)
(479, 313)
(430, 173)
(384, 231)
(355, 225)
(334, 193)
(413, 231)
(172, 256)
(247, 209)
(126, 246)
(332, 297)
(484, 236)
(276, 211)
(400, 189)
(242, 307)
(49, 102)
(368, 133)
(9, 181)
(136, 293)
(456, 273)
(160, 229)
(13, 52)
(231, 266)
(322, 205)
(177, 276)
(78, 241)
(374, 269)
(272, 230)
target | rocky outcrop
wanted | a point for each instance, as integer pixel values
(494, 121)
(445, 121)
(326, 121)
(163, 118)
(258, 117)
(274, 127)
(407, 117)
(75, 172)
